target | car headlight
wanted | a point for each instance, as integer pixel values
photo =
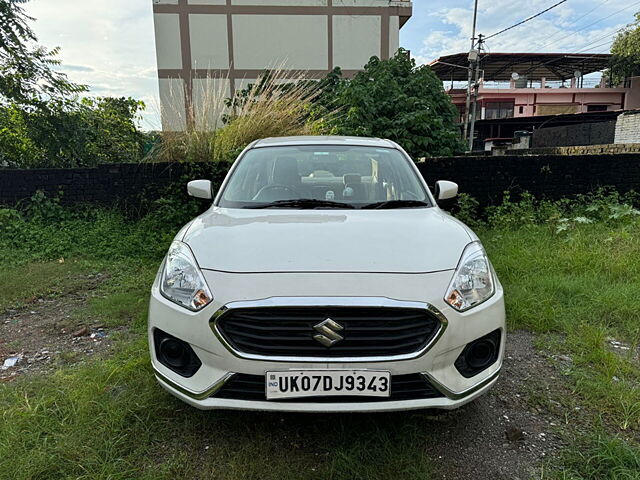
(182, 282)
(473, 281)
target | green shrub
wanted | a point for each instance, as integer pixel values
(82, 133)
(398, 100)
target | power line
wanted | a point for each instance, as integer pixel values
(591, 24)
(585, 27)
(526, 19)
(578, 19)
(611, 34)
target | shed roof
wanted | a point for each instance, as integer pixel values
(500, 66)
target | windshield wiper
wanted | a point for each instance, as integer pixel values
(305, 203)
(396, 204)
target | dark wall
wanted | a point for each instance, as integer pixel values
(484, 178)
(550, 176)
(600, 133)
(126, 184)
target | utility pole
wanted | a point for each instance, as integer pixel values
(476, 87)
(470, 71)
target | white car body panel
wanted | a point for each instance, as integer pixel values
(279, 256)
(235, 240)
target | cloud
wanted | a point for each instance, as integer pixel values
(444, 27)
(77, 68)
(106, 45)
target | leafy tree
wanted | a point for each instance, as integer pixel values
(43, 123)
(398, 100)
(27, 71)
(626, 52)
(88, 132)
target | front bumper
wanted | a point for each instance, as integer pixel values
(220, 362)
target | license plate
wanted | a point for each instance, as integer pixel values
(325, 383)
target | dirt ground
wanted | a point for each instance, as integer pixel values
(502, 435)
(47, 334)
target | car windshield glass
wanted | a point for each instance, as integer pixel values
(324, 177)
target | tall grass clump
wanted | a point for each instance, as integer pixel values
(220, 127)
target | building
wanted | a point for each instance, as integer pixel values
(522, 92)
(225, 44)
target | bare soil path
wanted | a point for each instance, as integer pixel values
(47, 333)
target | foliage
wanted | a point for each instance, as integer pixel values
(626, 52)
(43, 230)
(84, 133)
(600, 456)
(107, 418)
(398, 100)
(42, 121)
(271, 107)
(28, 75)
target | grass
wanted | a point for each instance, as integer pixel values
(584, 286)
(275, 105)
(573, 283)
(21, 284)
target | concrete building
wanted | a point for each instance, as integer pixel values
(537, 84)
(225, 44)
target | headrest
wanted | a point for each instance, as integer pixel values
(351, 178)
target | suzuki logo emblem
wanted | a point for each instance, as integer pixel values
(328, 332)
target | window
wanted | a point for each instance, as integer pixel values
(349, 174)
(494, 110)
(596, 108)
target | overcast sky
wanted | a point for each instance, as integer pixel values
(109, 44)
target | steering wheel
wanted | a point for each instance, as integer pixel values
(275, 187)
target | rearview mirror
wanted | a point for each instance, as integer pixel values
(446, 190)
(200, 189)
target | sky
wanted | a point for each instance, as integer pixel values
(109, 45)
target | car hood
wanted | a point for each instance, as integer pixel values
(281, 240)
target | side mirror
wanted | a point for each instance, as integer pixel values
(200, 189)
(446, 190)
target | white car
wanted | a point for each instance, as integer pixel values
(325, 278)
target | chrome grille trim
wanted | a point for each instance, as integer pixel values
(378, 302)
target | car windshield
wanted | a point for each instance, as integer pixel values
(324, 177)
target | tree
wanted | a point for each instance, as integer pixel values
(85, 133)
(626, 52)
(27, 70)
(398, 100)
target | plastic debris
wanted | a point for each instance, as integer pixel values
(98, 335)
(10, 362)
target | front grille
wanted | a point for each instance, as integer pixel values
(403, 387)
(289, 331)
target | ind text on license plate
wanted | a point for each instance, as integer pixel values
(323, 383)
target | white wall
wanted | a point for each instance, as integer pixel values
(262, 41)
(172, 104)
(355, 40)
(628, 128)
(168, 49)
(297, 41)
(208, 41)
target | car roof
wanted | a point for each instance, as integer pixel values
(323, 140)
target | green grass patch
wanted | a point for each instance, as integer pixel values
(598, 456)
(124, 298)
(24, 283)
(583, 285)
(109, 419)
(569, 271)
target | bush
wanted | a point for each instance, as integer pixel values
(85, 133)
(398, 100)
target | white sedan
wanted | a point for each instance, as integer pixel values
(324, 277)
